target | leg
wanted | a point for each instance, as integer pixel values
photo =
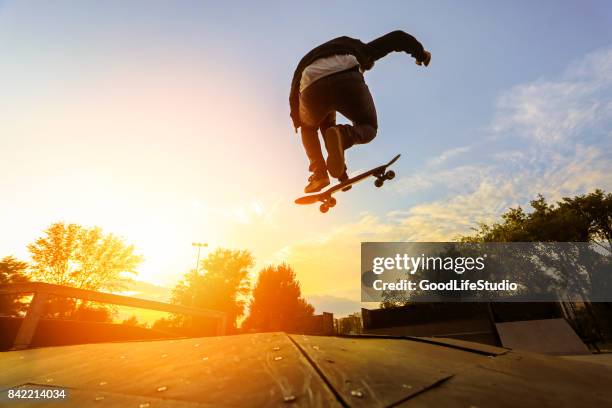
(318, 179)
(350, 96)
(315, 114)
(355, 102)
(329, 121)
(312, 145)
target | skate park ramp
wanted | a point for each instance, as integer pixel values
(279, 369)
(549, 336)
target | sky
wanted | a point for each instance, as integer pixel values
(168, 123)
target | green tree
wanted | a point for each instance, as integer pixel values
(12, 271)
(595, 209)
(222, 285)
(584, 218)
(86, 258)
(277, 302)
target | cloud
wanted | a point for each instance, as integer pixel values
(550, 137)
(458, 178)
(549, 111)
(448, 154)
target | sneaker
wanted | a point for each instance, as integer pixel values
(426, 59)
(335, 151)
(316, 183)
(343, 177)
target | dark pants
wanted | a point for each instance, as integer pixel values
(346, 93)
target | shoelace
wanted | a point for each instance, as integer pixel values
(312, 177)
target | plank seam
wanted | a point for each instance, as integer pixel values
(428, 341)
(429, 387)
(320, 373)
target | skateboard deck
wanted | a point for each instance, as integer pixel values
(325, 197)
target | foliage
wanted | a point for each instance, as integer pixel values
(277, 303)
(584, 218)
(86, 258)
(12, 271)
(350, 324)
(579, 219)
(133, 321)
(223, 286)
(88, 312)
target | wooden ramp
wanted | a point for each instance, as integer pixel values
(547, 336)
(277, 369)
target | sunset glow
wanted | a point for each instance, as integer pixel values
(157, 132)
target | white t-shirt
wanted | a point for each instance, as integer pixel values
(326, 66)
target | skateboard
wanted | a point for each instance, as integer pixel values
(325, 197)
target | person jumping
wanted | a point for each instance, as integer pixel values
(329, 79)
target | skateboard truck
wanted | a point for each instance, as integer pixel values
(380, 178)
(327, 204)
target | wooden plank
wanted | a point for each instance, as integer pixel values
(548, 336)
(602, 358)
(244, 370)
(523, 380)
(378, 372)
(467, 345)
(265, 369)
(480, 348)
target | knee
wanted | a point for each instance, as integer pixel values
(308, 132)
(370, 133)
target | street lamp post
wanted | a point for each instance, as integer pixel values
(199, 245)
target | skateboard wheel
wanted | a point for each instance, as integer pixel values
(331, 202)
(379, 182)
(390, 175)
(324, 208)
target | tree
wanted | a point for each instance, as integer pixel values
(595, 209)
(223, 286)
(277, 303)
(579, 219)
(71, 255)
(133, 321)
(12, 271)
(584, 218)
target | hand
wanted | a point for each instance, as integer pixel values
(426, 60)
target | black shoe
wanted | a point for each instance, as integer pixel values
(316, 183)
(343, 177)
(335, 151)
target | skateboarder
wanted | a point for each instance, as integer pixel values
(329, 79)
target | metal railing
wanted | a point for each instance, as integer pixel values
(42, 291)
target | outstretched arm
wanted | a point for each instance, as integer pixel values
(399, 41)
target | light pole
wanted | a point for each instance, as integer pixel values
(199, 245)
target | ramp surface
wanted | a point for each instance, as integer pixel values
(277, 369)
(548, 336)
